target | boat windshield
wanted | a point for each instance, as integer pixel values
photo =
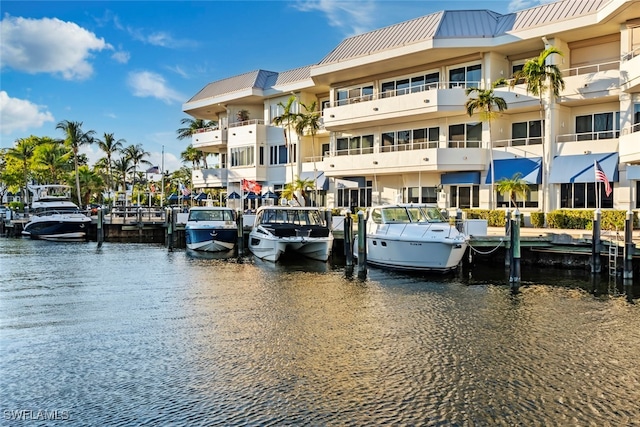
(425, 214)
(210, 215)
(290, 216)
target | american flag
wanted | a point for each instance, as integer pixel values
(184, 190)
(602, 177)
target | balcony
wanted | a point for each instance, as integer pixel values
(429, 156)
(249, 132)
(585, 83)
(587, 142)
(629, 150)
(630, 72)
(209, 178)
(212, 140)
(415, 103)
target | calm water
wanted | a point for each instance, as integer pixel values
(136, 335)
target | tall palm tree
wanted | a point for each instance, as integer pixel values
(122, 167)
(192, 125)
(74, 139)
(137, 155)
(310, 121)
(52, 159)
(109, 145)
(191, 155)
(541, 78)
(23, 152)
(514, 186)
(485, 104)
(91, 182)
(288, 118)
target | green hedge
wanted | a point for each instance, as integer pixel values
(583, 219)
(537, 219)
(495, 218)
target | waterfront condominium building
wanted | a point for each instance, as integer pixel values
(393, 121)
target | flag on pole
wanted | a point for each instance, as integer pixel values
(602, 177)
(153, 169)
(184, 190)
(250, 185)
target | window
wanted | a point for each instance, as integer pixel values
(242, 156)
(636, 118)
(598, 126)
(413, 84)
(465, 197)
(467, 135)
(583, 195)
(261, 155)
(354, 145)
(354, 94)
(388, 141)
(426, 138)
(531, 201)
(465, 77)
(355, 197)
(526, 133)
(426, 195)
(278, 155)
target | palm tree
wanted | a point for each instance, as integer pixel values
(110, 146)
(136, 154)
(74, 139)
(192, 126)
(541, 77)
(514, 186)
(288, 118)
(23, 152)
(310, 121)
(91, 182)
(298, 186)
(52, 159)
(121, 167)
(485, 103)
(192, 155)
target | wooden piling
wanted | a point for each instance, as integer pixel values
(170, 228)
(595, 244)
(240, 234)
(514, 275)
(362, 245)
(507, 243)
(100, 228)
(629, 247)
(348, 239)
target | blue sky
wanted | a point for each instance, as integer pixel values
(126, 67)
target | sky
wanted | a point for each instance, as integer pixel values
(127, 67)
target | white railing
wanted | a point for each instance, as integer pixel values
(207, 129)
(516, 142)
(246, 123)
(406, 91)
(630, 55)
(588, 136)
(630, 129)
(591, 68)
(405, 147)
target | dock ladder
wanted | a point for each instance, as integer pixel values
(614, 248)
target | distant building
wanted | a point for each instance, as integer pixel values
(394, 124)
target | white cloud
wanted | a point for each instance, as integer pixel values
(148, 84)
(48, 45)
(516, 5)
(20, 115)
(121, 56)
(353, 17)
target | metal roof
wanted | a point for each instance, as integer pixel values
(259, 79)
(459, 24)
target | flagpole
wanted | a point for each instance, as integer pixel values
(162, 172)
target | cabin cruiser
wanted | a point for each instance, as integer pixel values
(211, 229)
(53, 216)
(294, 229)
(412, 237)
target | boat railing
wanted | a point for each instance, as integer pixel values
(135, 215)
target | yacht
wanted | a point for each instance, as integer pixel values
(53, 216)
(211, 229)
(412, 237)
(294, 229)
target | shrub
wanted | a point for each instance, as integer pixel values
(537, 219)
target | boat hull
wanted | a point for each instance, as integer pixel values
(415, 255)
(211, 238)
(58, 228)
(271, 248)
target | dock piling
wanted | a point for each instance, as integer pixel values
(100, 228)
(514, 275)
(507, 243)
(348, 239)
(629, 246)
(595, 243)
(240, 228)
(362, 246)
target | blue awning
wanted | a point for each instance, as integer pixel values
(633, 172)
(322, 183)
(579, 168)
(529, 169)
(455, 178)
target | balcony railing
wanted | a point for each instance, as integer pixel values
(208, 129)
(629, 56)
(517, 142)
(246, 123)
(404, 147)
(588, 136)
(631, 129)
(406, 91)
(591, 68)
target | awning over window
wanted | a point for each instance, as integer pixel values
(321, 180)
(633, 172)
(579, 168)
(457, 178)
(529, 169)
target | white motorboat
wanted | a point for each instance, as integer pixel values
(293, 229)
(412, 237)
(53, 216)
(211, 229)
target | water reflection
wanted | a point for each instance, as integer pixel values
(134, 332)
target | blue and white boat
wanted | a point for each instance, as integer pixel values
(211, 229)
(53, 216)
